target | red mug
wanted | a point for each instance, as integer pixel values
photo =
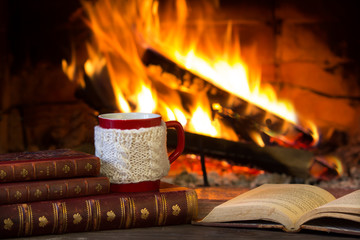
(137, 121)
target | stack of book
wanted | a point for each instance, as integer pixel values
(60, 191)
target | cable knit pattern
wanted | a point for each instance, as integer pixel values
(131, 156)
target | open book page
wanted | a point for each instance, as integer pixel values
(346, 207)
(282, 203)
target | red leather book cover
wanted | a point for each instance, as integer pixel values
(49, 164)
(110, 211)
(32, 191)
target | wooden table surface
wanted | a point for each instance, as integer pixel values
(186, 232)
(208, 198)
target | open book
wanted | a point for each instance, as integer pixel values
(290, 207)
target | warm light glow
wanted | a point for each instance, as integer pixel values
(95, 63)
(122, 103)
(191, 163)
(202, 124)
(216, 106)
(234, 79)
(170, 114)
(180, 116)
(256, 137)
(123, 30)
(71, 71)
(68, 69)
(326, 167)
(222, 65)
(336, 162)
(91, 68)
(314, 132)
(146, 101)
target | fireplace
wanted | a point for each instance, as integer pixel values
(304, 52)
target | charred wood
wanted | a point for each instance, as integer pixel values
(293, 162)
(226, 105)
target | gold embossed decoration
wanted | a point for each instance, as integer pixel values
(17, 195)
(43, 221)
(24, 173)
(8, 224)
(2, 174)
(77, 189)
(37, 193)
(77, 218)
(110, 216)
(144, 213)
(176, 210)
(88, 167)
(98, 187)
(66, 169)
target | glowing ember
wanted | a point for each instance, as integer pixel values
(326, 168)
(191, 163)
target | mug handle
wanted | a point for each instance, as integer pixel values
(180, 139)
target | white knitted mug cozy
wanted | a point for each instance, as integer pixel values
(132, 156)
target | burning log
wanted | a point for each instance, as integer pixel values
(294, 162)
(227, 106)
(279, 130)
(297, 163)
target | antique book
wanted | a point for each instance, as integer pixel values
(32, 191)
(49, 164)
(290, 207)
(168, 206)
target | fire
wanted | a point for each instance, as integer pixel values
(122, 103)
(326, 167)
(314, 131)
(95, 63)
(202, 123)
(256, 137)
(208, 58)
(123, 30)
(146, 100)
(71, 70)
(191, 163)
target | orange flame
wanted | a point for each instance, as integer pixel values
(124, 29)
(314, 132)
(326, 167)
(205, 55)
(70, 70)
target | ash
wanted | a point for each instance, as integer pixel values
(190, 179)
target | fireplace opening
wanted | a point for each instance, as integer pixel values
(65, 62)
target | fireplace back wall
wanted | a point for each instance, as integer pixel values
(308, 50)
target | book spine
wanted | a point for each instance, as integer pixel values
(52, 189)
(52, 169)
(104, 212)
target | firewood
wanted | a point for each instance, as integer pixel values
(227, 106)
(294, 162)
